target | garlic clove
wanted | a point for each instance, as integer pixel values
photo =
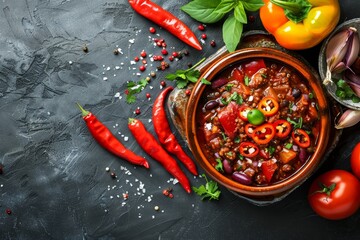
(336, 49)
(348, 119)
(342, 50)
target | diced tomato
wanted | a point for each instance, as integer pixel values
(238, 74)
(268, 168)
(227, 118)
(252, 67)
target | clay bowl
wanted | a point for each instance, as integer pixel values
(276, 190)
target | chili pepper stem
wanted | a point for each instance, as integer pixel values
(83, 111)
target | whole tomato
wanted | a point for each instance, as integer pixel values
(335, 194)
(355, 160)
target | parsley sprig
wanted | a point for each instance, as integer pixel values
(210, 190)
(183, 77)
(134, 88)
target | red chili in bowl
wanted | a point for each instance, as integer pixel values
(270, 152)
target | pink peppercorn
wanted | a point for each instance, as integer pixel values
(137, 111)
(152, 30)
(142, 68)
(204, 36)
(201, 27)
(164, 52)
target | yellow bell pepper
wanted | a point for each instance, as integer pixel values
(300, 24)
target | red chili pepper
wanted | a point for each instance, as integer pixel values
(166, 20)
(163, 131)
(264, 133)
(301, 138)
(107, 140)
(149, 144)
(268, 106)
(282, 128)
(248, 149)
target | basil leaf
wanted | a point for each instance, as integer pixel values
(252, 5)
(225, 6)
(203, 11)
(232, 30)
(240, 14)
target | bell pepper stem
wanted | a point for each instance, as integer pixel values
(295, 10)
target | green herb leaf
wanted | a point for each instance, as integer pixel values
(288, 145)
(271, 150)
(232, 30)
(296, 124)
(203, 11)
(135, 88)
(211, 11)
(246, 80)
(210, 190)
(225, 6)
(239, 13)
(219, 166)
(252, 5)
(183, 77)
(205, 81)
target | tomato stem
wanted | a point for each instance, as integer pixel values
(325, 189)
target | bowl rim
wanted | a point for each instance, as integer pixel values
(303, 70)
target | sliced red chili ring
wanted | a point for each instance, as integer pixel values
(263, 134)
(268, 106)
(243, 111)
(282, 128)
(249, 129)
(248, 149)
(301, 138)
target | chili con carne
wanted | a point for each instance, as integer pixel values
(164, 134)
(166, 20)
(222, 129)
(149, 144)
(107, 140)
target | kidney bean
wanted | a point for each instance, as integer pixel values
(219, 82)
(227, 167)
(242, 178)
(211, 104)
(303, 155)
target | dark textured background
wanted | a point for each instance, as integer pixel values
(54, 178)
